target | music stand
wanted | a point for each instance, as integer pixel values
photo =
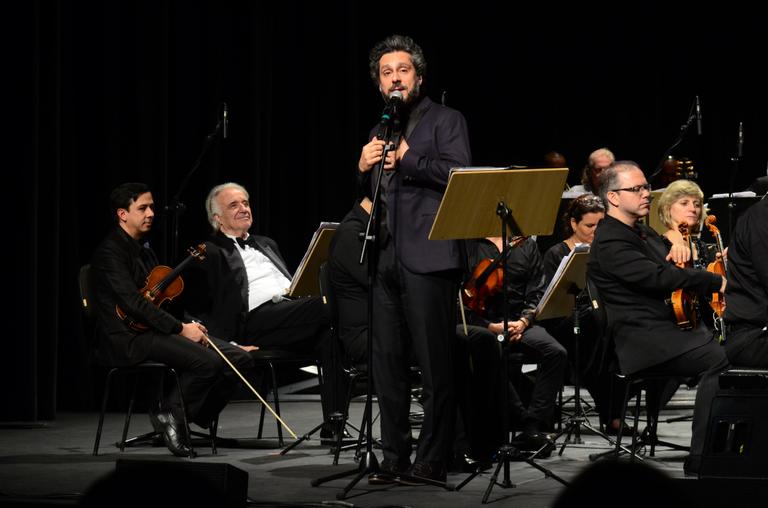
(559, 300)
(525, 202)
(306, 282)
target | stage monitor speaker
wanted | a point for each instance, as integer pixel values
(205, 482)
(721, 492)
(737, 441)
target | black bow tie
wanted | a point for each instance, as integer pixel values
(251, 240)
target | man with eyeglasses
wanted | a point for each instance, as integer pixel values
(635, 275)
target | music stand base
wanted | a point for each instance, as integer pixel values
(505, 455)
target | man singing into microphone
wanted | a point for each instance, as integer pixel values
(416, 281)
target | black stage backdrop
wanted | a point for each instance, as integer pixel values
(107, 92)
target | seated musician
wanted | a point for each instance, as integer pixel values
(746, 314)
(632, 270)
(241, 294)
(119, 268)
(524, 287)
(590, 175)
(349, 281)
(682, 203)
(579, 222)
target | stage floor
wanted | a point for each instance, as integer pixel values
(52, 463)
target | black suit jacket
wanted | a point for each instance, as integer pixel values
(218, 286)
(634, 281)
(439, 142)
(119, 268)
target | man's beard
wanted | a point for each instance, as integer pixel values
(413, 95)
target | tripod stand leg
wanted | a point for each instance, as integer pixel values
(368, 465)
(547, 472)
(494, 477)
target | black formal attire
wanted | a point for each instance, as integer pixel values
(594, 374)
(524, 284)
(628, 267)
(416, 283)
(349, 283)
(746, 313)
(221, 301)
(119, 268)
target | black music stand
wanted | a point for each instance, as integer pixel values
(560, 299)
(475, 202)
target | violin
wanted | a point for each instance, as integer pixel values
(685, 303)
(718, 266)
(163, 284)
(486, 280)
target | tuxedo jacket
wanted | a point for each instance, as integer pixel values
(218, 286)
(119, 269)
(635, 283)
(439, 142)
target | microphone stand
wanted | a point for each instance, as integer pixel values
(368, 463)
(175, 206)
(736, 164)
(683, 130)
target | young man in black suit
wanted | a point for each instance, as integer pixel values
(417, 279)
(119, 269)
(633, 271)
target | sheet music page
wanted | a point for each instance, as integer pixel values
(579, 247)
(320, 239)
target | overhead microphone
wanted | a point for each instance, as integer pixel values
(224, 120)
(740, 146)
(698, 116)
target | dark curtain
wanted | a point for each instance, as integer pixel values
(107, 92)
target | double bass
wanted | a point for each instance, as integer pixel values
(685, 303)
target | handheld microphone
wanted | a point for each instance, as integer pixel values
(698, 116)
(224, 120)
(740, 145)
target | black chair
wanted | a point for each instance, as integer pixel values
(270, 359)
(136, 371)
(634, 386)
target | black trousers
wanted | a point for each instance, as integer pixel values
(413, 317)
(704, 362)
(747, 346)
(301, 325)
(594, 371)
(207, 382)
(537, 346)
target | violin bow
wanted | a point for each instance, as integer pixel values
(285, 425)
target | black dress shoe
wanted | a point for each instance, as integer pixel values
(534, 442)
(389, 473)
(424, 473)
(154, 419)
(175, 435)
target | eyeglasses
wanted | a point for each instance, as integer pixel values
(636, 189)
